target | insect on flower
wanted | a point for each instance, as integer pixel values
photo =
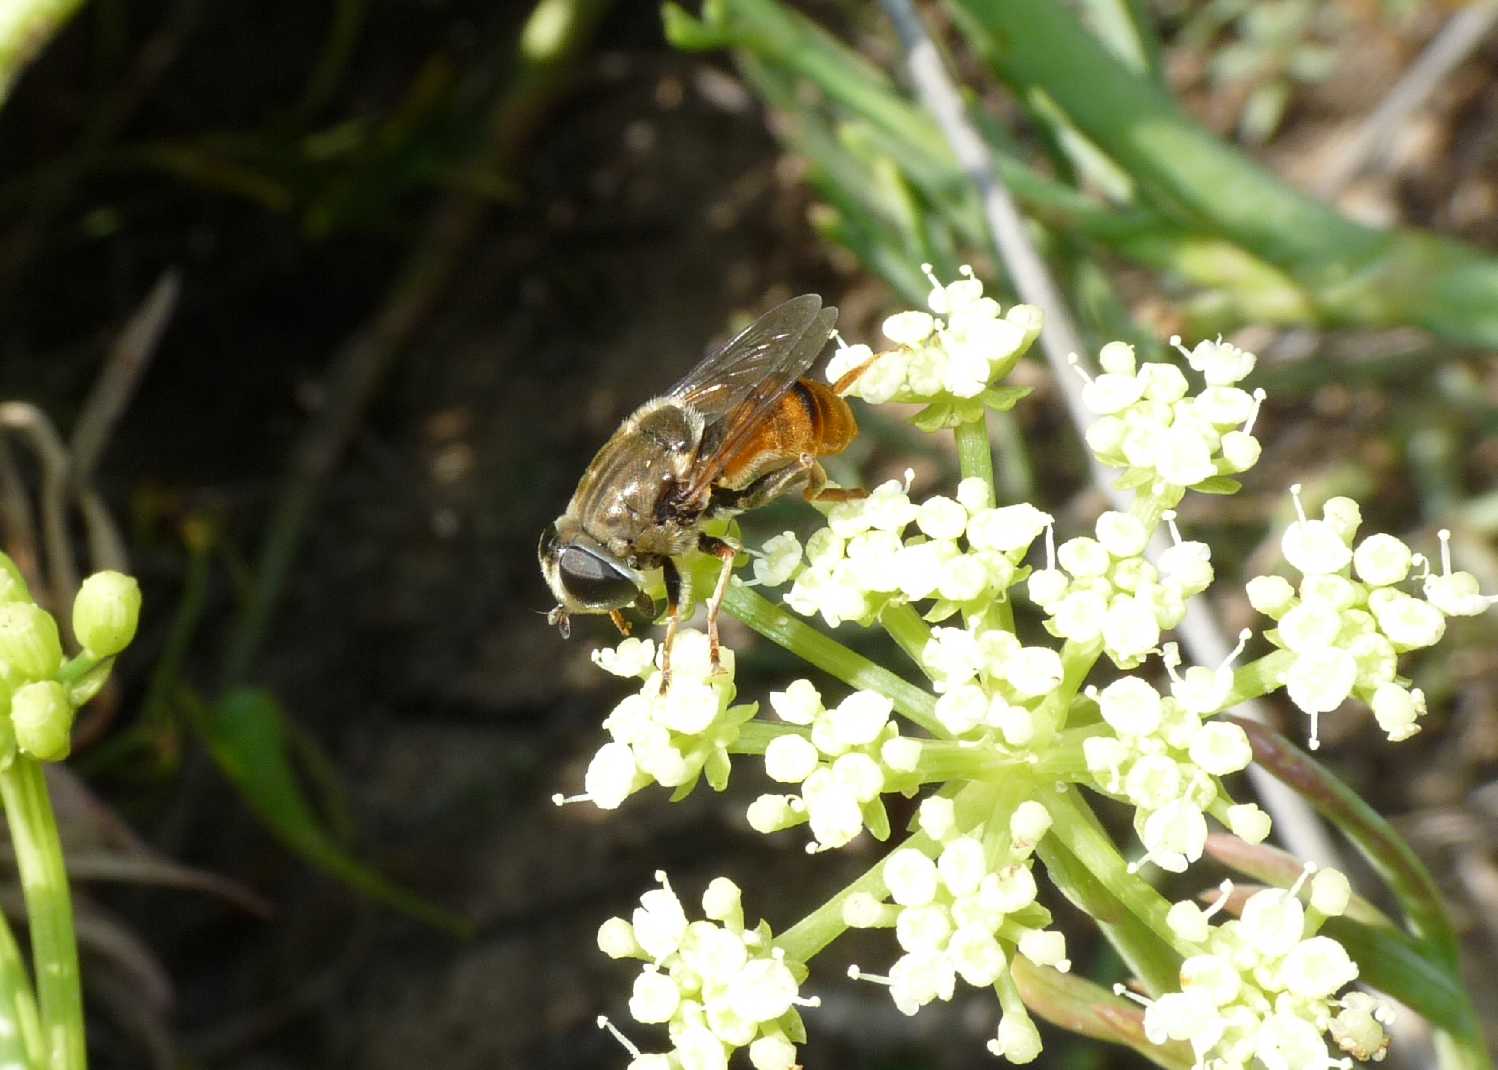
(741, 428)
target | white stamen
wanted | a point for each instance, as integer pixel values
(1419, 560)
(563, 800)
(1076, 363)
(1226, 888)
(1050, 546)
(1237, 651)
(1445, 536)
(1169, 517)
(856, 974)
(1121, 989)
(603, 1023)
(1314, 742)
(1259, 396)
(930, 273)
(1306, 873)
(909, 479)
(1300, 510)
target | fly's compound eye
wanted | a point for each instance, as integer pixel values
(594, 582)
(551, 541)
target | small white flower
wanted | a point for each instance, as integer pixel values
(632, 657)
(790, 759)
(909, 328)
(781, 558)
(1313, 546)
(799, 703)
(911, 877)
(1381, 560)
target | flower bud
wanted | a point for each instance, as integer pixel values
(616, 939)
(43, 720)
(28, 640)
(1271, 595)
(105, 612)
(1330, 892)
(12, 583)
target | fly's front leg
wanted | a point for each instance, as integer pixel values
(724, 552)
(673, 606)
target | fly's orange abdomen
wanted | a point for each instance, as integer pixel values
(809, 419)
(833, 426)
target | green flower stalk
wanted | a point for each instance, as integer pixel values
(1009, 735)
(39, 698)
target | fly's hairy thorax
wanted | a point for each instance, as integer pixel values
(620, 497)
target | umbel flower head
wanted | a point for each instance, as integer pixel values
(1261, 989)
(1009, 725)
(716, 985)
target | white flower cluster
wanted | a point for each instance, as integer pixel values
(1104, 588)
(669, 738)
(963, 553)
(1348, 621)
(715, 985)
(988, 682)
(1263, 986)
(1166, 762)
(1149, 425)
(849, 756)
(951, 353)
(963, 913)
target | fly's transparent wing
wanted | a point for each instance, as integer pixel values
(777, 370)
(760, 352)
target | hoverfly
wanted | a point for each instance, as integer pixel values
(741, 428)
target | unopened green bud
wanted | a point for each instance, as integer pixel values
(28, 640)
(106, 611)
(12, 583)
(42, 718)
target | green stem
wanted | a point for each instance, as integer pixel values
(21, 1039)
(1259, 677)
(825, 924)
(49, 910)
(975, 453)
(1079, 855)
(756, 735)
(827, 654)
(908, 630)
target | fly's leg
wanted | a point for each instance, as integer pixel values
(803, 473)
(849, 377)
(724, 552)
(673, 606)
(619, 621)
(817, 490)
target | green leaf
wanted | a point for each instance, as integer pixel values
(1218, 485)
(937, 416)
(692, 34)
(246, 733)
(1395, 964)
(1004, 398)
(716, 769)
(1396, 862)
